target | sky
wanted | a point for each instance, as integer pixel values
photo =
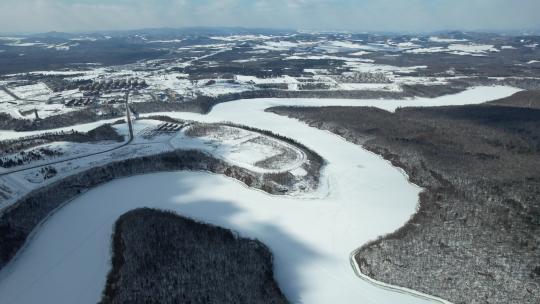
(23, 16)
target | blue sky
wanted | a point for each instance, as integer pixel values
(356, 15)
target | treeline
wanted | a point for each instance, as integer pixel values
(160, 257)
(476, 235)
(525, 99)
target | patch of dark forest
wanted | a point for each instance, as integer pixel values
(160, 257)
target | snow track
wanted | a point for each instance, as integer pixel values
(311, 239)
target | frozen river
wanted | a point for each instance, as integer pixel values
(362, 196)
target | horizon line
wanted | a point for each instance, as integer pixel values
(534, 32)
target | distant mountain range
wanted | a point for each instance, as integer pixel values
(263, 31)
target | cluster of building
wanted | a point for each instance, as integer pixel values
(92, 92)
(165, 128)
(87, 101)
(168, 127)
(112, 85)
(363, 77)
(79, 102)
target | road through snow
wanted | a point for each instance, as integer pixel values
(362, 197)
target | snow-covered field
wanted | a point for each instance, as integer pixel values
(311, 239)
(34, 97)
(244, 148)
(28, 107)
(37, 91)
(457, 49)
(222, 87)
(5, 97)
